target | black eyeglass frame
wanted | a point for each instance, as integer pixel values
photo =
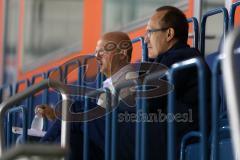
(150, 31)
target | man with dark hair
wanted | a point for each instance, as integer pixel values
(166, 36)
(165, 28)
(177, 20)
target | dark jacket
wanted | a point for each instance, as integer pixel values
(186, 86)
(186, 89)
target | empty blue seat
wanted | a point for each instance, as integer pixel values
(192, 152)
(225, 150)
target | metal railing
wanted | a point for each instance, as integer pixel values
(144, 48)
(67, 67)
(231, 84)
(114, 118)
(107, 123)
(194, 21)
(201, 107)
(204, 21)
(215, 108)
(46, 151)
(185, 138)
(8, 104)
(24, 110)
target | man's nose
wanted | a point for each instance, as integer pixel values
(97, 55)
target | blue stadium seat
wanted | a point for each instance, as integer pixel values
(224, 141)
(225, 149)
(192, 152)
(210, 59)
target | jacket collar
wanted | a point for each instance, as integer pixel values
(176, 46)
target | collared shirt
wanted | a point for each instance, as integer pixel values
(125, 73)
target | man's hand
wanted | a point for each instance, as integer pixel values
(45, 111)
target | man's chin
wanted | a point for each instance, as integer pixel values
(101, 70)
(151, 55)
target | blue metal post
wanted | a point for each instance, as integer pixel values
(144, 48)
(2, 91)
(9, 130)
(43, 76)
(84, 65)
(171, 139)
(195, 30)
(24, 111)
(31, 98)
(85, 131)
(27, 101)
(138, 125)
(202, 106)
(115, 126)
(203, 25)
(108, 125)
(57, 69)
(215, 108)
(144, 135)
(66, 68)
(83, 72)
(185, 138)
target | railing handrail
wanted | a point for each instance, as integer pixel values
(230, 85)
(195, 30)
(185, 138)
(144, 47)
(215, 108)
(8, 104)
(197, 62)
(222, 10)
(33, 150)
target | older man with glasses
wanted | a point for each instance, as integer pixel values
(113, 53)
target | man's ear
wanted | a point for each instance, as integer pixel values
(170, 34)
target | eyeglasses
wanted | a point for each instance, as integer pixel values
(150, 31)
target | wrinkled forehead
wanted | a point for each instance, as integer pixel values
(103, 42)
(100, 44)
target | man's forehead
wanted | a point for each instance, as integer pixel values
(156, 18)
(103, 42)
(99, 44)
